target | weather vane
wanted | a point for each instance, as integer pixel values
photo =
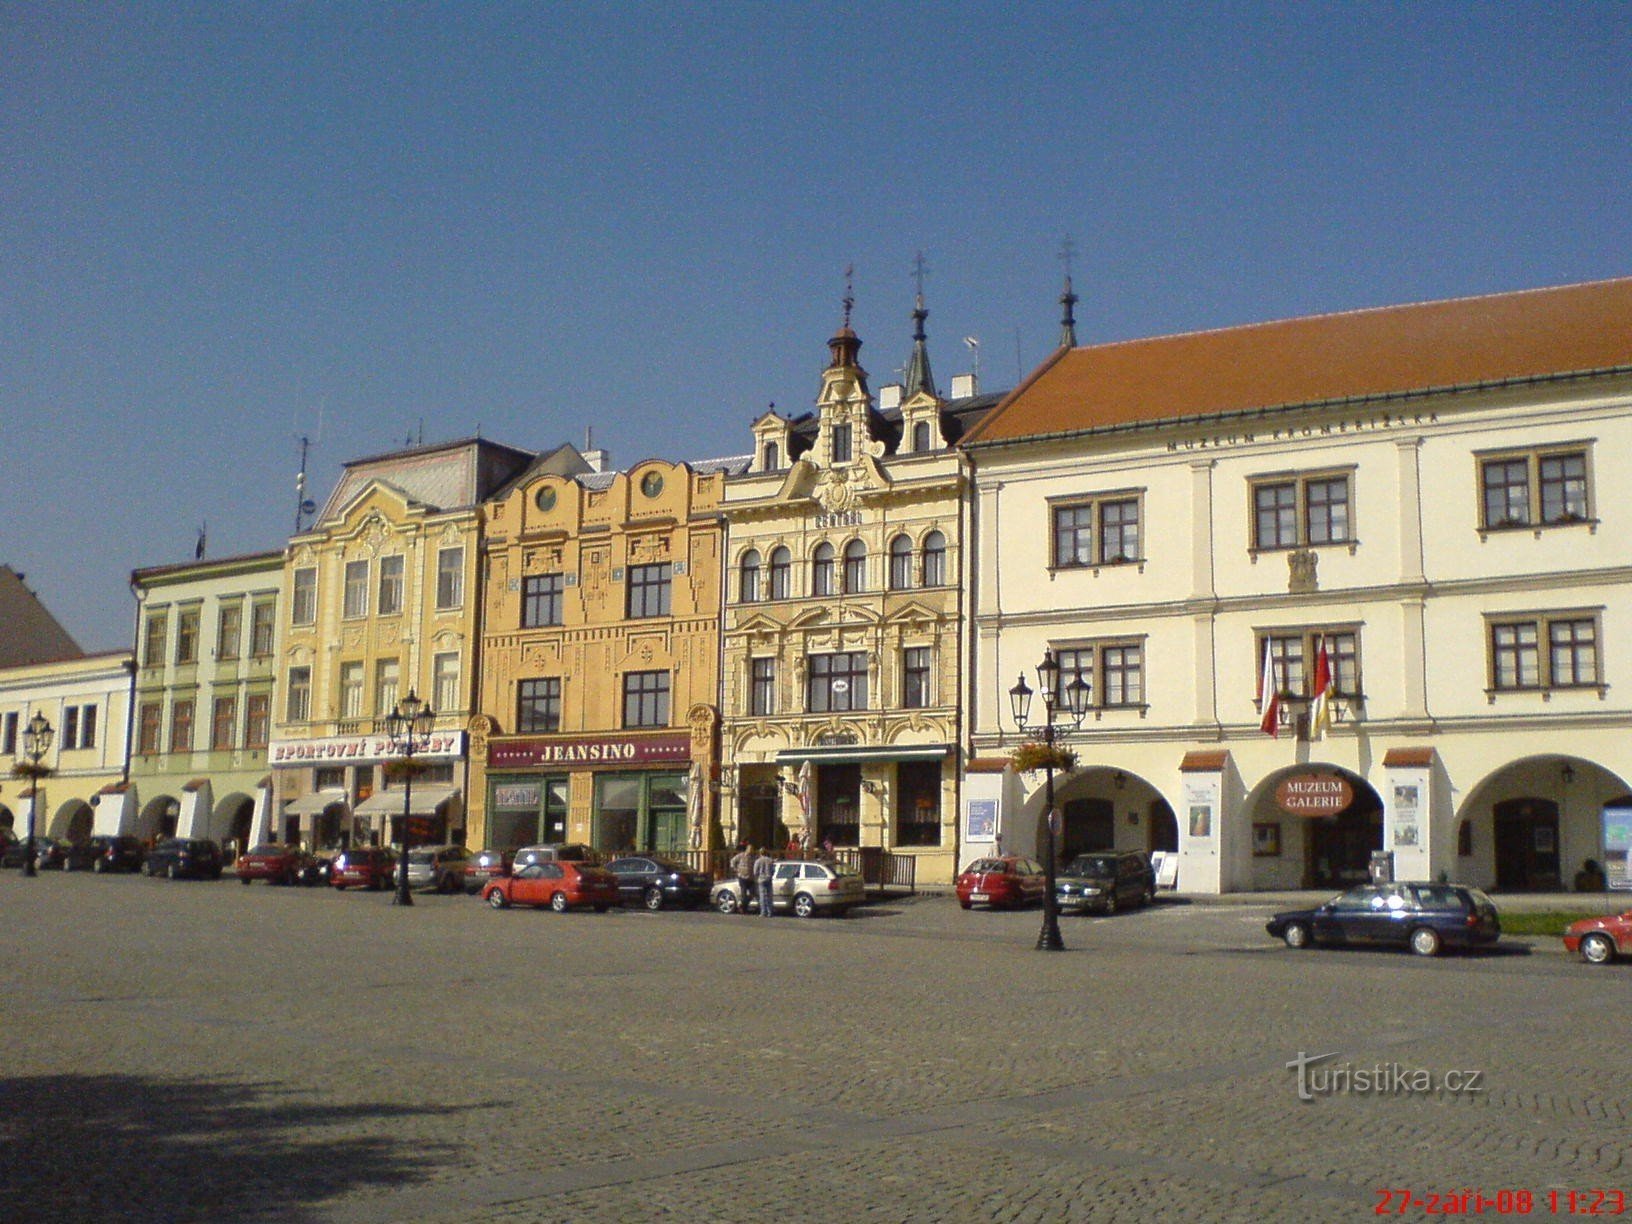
(849, 294)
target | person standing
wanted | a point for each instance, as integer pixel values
(742, 866)
(764, 870)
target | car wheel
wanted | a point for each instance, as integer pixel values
(67, 864)
(449, 885)
(559, 903)
(726, 903)
(1110, 904)
(654, 899)
(1296, 935)
(147, 869)
(804, 906)
(1425, 941)
(1597, 949)
(98, 866)
(244, 880)
(171, 873)
(497, 899)
(967, 904)
(1149, 897)
(602, 908)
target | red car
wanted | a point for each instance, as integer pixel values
(557, 885)
(367, 868)
(1600, 940)
(274, 863)
(1006, 882)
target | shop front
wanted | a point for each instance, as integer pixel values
(335, 792)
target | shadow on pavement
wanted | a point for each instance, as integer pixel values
(84, 1147)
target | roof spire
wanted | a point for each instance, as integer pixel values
(919, 377)
(1068, 300)
(844, 346)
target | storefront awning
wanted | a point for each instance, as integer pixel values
(425, 801)
(315, 803)
(859, 754)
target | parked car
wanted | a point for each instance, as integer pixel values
(654, 882)
(117, 852)
(1421, 916)
(441, 868)
(561, 886)
(555, 852)
(13, 849)
(49, 852)
(363, 867)
(175, 857)
(1004, 881)
(1600, 940)
(487, 864)
(1105, 881)
(274, 862)
(317, 868)
(76, 856)
(802, 888)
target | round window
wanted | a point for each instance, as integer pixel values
(544, 499)
(651, 484)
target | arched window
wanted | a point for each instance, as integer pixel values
(781, 573)
(821, 570)
(748, 585)
(920, 436)
(855, 566)
(900, 563)
(772, 458)
(934, 559)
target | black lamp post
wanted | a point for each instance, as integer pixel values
(1076, 696)
(37, 737)
(409, 726)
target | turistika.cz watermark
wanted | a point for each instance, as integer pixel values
(1319, 1077)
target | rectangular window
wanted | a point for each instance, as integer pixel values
(229, 631)
(303, 598)
(390, 597)
(1294, 655)
(450, 577)
(1540, 488)
(149, 722)
(1301, 511)
(181, 726)
(87, 727)
(1113, 671)
(541, 596)
(918, 804)
(187, 636)
(70, 728)
(223, 722)
(262, 617)
(1570, 659)
(300, 694)
(355, 597)
(445, 694)
(8, 738)
(837, 682)
(915, 694)
(649, 590)
(646, 699)
(387, 686)
(1099, 531)
(843, 445)
(257, 720)
(538, 704)
(761, 686)
(157, 635)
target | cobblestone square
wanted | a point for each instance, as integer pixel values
(201, 1051)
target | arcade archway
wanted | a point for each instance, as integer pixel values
(1313, 826)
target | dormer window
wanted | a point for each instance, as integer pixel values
(843, 447)
(771, 457)
(920, 436)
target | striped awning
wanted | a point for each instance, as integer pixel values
(315, 803)
(861, 754)
(424, 801)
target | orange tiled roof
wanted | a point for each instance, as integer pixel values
(1362, 354)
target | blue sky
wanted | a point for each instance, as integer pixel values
(223, 224)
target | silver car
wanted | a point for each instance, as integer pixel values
(805, 888)
(441, 868)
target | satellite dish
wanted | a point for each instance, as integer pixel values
(308, 506)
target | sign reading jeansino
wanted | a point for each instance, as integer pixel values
(607, 750)
(360, 748)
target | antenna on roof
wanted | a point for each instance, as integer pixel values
(303, 506)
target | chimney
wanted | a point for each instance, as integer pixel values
(599, 459)
(964, 386)
(889, 396)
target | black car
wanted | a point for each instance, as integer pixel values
(15, 853)
(76, 856)
(1105, 881)
(1421, 916)
(116, 853)
(185, 856)
(655, 882)
(49, 852)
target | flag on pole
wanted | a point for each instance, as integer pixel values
(1320, 709)
(806, 776)
(1269, 698)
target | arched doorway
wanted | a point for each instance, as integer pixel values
(158, 818)
(73, 821)
(1526, 843)
(1086, 825)
(232, 819)
(1163, 826)
(1313, 826)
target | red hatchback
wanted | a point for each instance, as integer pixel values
(271, 862)
(1600, 940)
(561, 886)
(1008, 881)
(366, 868)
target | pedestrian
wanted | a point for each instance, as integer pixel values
(764, 869)
(742, 866)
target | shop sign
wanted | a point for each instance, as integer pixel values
(1313, 794)
(618, 751)
(516, 795)
(442, 744)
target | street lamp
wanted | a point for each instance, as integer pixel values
(409, 726)
(1076, 696)
(37, 738)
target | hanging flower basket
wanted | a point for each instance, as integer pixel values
(402, 767)
(1032, 756)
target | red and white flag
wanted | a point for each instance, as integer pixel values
(1269, 698)
(1320, 708)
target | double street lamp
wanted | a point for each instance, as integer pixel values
(1075, 704)
(37, 737)
(409, 726)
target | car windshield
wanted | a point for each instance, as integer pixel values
(268, 850)
(1090, 865)
(421, 856)
(985, 866)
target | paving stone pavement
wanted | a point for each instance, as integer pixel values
(184, 1051)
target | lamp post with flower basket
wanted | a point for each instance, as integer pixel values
(409, 726)
(1072, 702)
(37, 737)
